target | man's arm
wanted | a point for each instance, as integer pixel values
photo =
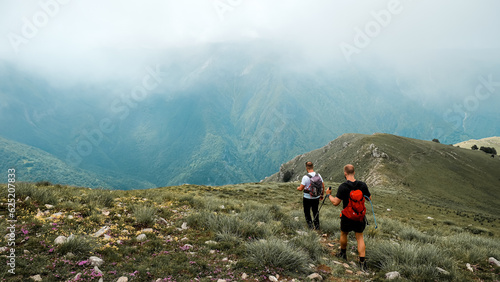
(301, 187)
(335, 201)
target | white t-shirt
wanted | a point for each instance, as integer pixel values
(306, 181)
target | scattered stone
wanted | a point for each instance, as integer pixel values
(49, 206)
(430, 218)
(212, 252)
(97, 270)
(221, 280)
(388, 209)
(122, 279)
(27, 198)
(494, 261)
(3, 249)
(469, 267)
(315, 276)
(301, 233)
(101, 231)
(141, 237)
(95, 261)
(331, 245)
(244, 276)
(101, 280)
(70, 217)
(211, 242)
(349, 271)
(184, 226)
(36, 277)
(272, 278)
(125, 231)
(107, 237)
(296, 218)
(147, 230)
(442, 271)
(312, 266)
(184, 239)
(77, 276)
(163, 221)
(26, 252)
(105, 212)
(337, 262)
(60, 240)
(345, 265)
(392, 275)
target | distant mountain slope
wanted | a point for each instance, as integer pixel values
(32, 164)
(458, 175)
(485, 142)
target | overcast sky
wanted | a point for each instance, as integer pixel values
(87, 38)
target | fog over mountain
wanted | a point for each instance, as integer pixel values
(218, 92)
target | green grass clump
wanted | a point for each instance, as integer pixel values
(277, 253)
(415, 261)
(310, 243)
(144, 215)
(79, 245)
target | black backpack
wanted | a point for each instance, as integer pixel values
(315, 189)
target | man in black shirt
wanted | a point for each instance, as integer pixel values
(347, 225)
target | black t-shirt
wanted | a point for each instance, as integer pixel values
(346, 188)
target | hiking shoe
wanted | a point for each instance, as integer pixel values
(341, 255)
(363, 266)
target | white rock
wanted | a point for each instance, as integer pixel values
(147, 230)
(161, 220)
(101, 280)
(184, 226)
(392, 275)
(315, 276)
(494, 261)
(101, 231)
(301, 233)
(3, 249)
(221, 280)
(122, 279)
(105, 212)
(440, 270)
(36, 277)
(272, 278)
(95, 261)
(141, 237)
(97, 270)
(244, 276)
(70, 217)
(26, 252)
(430, 217)
(388, 209)
(77, 276)
(469, 267)
(27, 198)
(60, 240)
(49, 206)
(211, 242)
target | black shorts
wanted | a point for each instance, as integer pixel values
(347, 225)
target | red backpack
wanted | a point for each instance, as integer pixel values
(355, 209)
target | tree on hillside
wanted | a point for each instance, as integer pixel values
(435, 140)
(489, 150)
(474, 147)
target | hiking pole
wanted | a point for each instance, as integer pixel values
(322, 203)
(373, 211)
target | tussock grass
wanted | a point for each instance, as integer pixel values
(277, 253)
(470, 248)
(414, 260)
(310, 243)
(79, 245)
(144, 215)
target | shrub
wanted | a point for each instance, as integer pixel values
(277, 253)
(24, 189)
(471, 248)
(43, 183)
(100, 197)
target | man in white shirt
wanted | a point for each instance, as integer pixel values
(310, 202)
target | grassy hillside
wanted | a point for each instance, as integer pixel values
(32, 164)
(428, 171)
(485, 142)
(243, 232)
